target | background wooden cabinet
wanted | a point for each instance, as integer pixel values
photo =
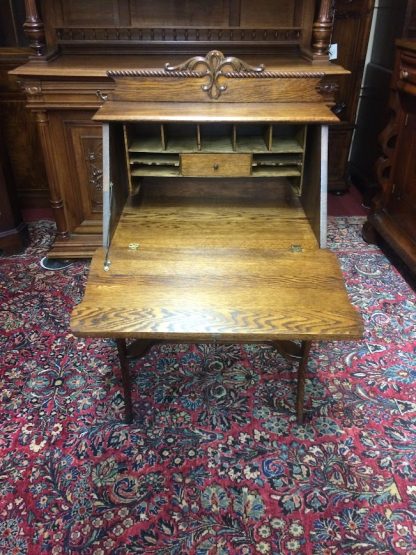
(393, 214)
(12, 228)
(20, 136)
(392, 20)
(352, 23)
(63, 100)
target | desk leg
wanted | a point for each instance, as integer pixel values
(125, 375)
(300, 395)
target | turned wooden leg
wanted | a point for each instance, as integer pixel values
(125, 375)
(300, 394)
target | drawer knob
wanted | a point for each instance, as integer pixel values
(216, 166)
(404, 74)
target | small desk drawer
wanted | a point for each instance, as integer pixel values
(212, 165)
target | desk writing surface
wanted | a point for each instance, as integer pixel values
(216, 266)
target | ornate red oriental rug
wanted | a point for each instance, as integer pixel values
(214, 463)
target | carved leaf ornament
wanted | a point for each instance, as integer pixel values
(213, 67)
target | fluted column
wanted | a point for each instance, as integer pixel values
(56, 201)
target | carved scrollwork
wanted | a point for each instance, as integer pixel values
(214, 66)
(94, 162)
(102, 96)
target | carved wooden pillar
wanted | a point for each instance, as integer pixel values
(34, 29)
(56, 201)
(322, 30)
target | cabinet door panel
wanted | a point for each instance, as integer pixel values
(77, 148)
(86, 146)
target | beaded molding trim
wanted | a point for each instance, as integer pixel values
(214, 66)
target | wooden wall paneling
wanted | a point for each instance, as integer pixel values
(234, 13)
(170, 13)
(81, 13)
(266, 13)
(52, 16)
(124, 13)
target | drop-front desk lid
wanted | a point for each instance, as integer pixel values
(207, 295)
(213, 261)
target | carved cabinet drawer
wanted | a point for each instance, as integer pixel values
(212, 165)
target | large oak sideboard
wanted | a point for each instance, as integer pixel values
(76, 43)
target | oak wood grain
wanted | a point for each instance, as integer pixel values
(74, 66)
(214, 260)
(237, 112)
(226, 293)
(216, 165)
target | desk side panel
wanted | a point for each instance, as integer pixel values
(115, 180)
(315, 184)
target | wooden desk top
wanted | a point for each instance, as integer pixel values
(97, 65)
(216, 266)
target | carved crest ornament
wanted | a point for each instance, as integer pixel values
(214, 67)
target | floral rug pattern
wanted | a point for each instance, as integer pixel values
(214, 463)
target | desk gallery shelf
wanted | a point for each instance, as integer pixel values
(161, 149)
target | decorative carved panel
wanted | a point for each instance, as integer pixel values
(93, 155)
(85, 167)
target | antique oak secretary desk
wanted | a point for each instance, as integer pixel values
(215, 137)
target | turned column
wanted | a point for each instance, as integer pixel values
(34, 29)
(322, 30)
(56, 201)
